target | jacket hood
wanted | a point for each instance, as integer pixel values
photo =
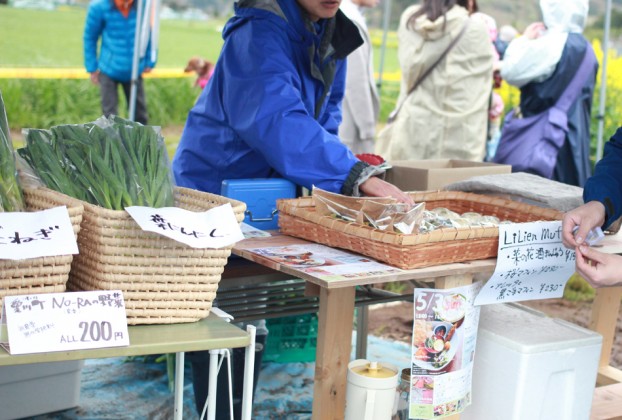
(431, 30)
(345, 36)
(564, 15)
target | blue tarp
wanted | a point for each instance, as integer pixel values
(138, 389)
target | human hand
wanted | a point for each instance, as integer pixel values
(376, 187)
(597, 268)
(95, 77)
(535, 30)
(587, 217)
(147, 70)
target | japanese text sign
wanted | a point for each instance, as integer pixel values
(36, 234)
(532, 263)
(214, 228)
(50, 322)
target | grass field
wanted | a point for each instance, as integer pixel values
(37, 38)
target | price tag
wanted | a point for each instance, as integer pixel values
(50, 322)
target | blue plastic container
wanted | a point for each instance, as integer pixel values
(260, 195)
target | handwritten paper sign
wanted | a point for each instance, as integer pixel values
(42, 323)
(214, 228)
(532, 264)
(36, 234)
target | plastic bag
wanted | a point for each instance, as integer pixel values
(11, 198)
(111, 162)
(383, 213)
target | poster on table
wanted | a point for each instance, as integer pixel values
(325, 262)
(443, 348)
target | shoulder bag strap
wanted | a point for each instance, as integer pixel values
(578, 80)
(453, 42)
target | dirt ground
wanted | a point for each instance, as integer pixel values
(395, 320)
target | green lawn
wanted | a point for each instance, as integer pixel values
(38, 38)
(22, 43)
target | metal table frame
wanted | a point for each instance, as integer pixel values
(210, 333)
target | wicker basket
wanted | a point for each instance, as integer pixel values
(163, 281)
(43, 274)
(297, 217)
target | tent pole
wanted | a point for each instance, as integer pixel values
(386, 15)
(134, 81)
(603, 83)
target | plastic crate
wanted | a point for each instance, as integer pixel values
(291, 339)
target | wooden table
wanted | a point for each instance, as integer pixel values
(336, 309)
(211, 333)
(336, 313)
(605, 310)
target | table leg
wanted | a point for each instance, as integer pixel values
(605, 310)
(249, 367)
(334, 343)
(449, 282)
(362, 323)
(179, 385)
(212, 384)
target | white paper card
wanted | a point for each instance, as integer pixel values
(252, 232)
(532, 263)
(36, 234)
(48, 322)
(214, 228)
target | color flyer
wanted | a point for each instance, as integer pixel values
(443, 348)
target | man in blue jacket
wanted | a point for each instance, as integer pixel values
(114, 21)
(603, 197)
(272, 109)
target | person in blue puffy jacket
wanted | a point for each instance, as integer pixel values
(114, 21)
(273, 105)
(272, 109)
(602, 195)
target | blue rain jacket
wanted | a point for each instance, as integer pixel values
(272, 107)
(606, 183)
(117, 32)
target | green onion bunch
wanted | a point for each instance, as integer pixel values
(111, 162)
(11, 198)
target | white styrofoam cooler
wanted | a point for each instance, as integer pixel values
(38, 388)
(530, 366)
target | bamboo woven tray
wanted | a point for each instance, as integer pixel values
(297, 217)
(43, 274)
(163, 281)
